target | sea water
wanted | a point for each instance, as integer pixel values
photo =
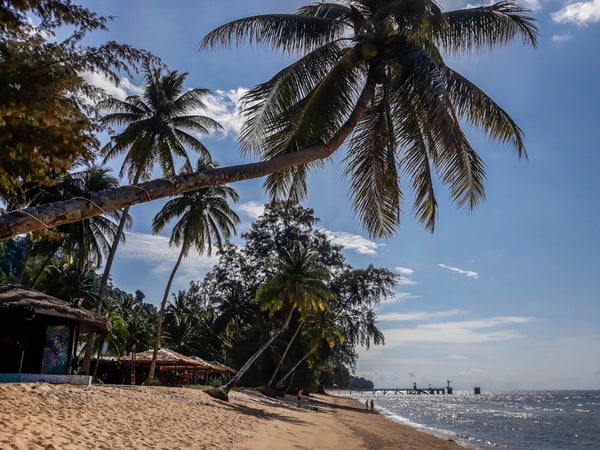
(556, 420)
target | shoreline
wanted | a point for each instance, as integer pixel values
(40, 415)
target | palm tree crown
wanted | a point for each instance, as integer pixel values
(376, 67)
(159, 125)
(203, 215)
(299, 284)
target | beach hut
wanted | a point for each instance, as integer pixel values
(170, 366)
(39, 334)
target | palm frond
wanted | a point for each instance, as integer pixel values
(418, 78)
(371, 166)
(487, 27)
(475, 106)
(415, 161)
(291, 33)
(317, 117)
(264, 104)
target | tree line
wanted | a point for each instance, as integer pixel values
(241, 304)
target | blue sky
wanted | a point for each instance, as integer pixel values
(505, 297)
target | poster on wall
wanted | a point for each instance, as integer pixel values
(56, 349)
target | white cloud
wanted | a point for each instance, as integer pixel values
(124, 89)
(467, 332)
(352, 242)
(457, 357)
(148, 248)
(580, 13)
(468, 273)
(223, 106)
(416, 316)
(404, 281)
(404, 270)
(562, 37)
(252, 209)
(534, 5)
(400, 297)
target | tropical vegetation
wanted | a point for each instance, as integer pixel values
(285, 302)
(285, 308)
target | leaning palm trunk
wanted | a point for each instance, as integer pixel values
(287, 349)
(44, 264)
(222, 392)
(76, 209)
(161, 314)
(300, 361)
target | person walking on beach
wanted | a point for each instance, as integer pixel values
(367, 405)
(372, 408)
(300, 398)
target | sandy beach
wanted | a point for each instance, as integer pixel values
(44, 416)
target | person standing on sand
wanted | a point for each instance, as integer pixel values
(367, 405)
(300, 392)
(372, 408)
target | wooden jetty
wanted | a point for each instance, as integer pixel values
(407, 391)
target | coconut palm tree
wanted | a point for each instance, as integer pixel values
(299, 284)
(203, 215)
(380, 60)
(159, 127)
(374, 68)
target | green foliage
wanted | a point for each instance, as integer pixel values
(328, 338)
(359, 383)
(45, 117)
(12, 257)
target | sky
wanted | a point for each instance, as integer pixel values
(505, 297)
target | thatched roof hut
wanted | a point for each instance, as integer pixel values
(39, 332)
(223, 368)
(169, 359)
(14, 297)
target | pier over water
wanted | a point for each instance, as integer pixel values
(407, 391)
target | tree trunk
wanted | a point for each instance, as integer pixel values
(161, 314)
(26, 255)
(287, 349)
(223, 391)
(291, 371)
(76, 209)
(105, 275)
(37, 276)
(85, 366)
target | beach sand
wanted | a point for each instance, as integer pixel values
(66, 417)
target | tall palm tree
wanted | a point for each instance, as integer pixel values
(376, 66)
(159, 126)
(203, 215)
(372, 67)
(299, 284)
